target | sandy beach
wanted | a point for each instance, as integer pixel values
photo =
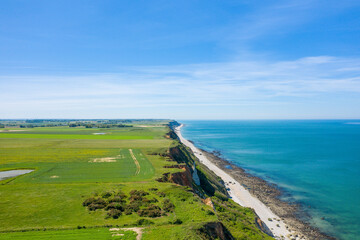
(242, 196)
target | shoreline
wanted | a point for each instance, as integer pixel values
(253, 192)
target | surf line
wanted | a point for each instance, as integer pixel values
(136, 162)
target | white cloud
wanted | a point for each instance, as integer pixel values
(215, 84)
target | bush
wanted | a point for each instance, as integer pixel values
(120, 194)
(114, 213)
(220, 209)
(115, 205)
(133, 207)
(161, 194)
(140, 193)
(151, 211)
(88, 201)
(153, 200)
(153, 189)
(128, 211)
(176, 221)
(116, 199)
(135, 198)
(95, 206)
(168, 206)
(106, 194)
(209, 212)
(142, 222)
(94, 203)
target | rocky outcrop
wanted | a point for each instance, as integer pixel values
(215, 230)
(208, 202)
(263, 227)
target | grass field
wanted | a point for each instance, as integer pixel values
(73, 164)
(71, 136)
(78, 234)
(119, 167)
(70, 165)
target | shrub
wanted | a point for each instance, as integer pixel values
(88, 201)
(209, 212)
(116, 199)
(133, 207)
(153, 200)
(168, 206)
(120, 194)
(151, 211)
(176, 221)
(135, 198)
(128, 211)
(114, 213)
(153, 189)
(161, 194)
(141, 193)
(115, 205)
(106, 194)
(94, 203)
(95, 206)
(142, 222)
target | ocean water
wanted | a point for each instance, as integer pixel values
(315, 162)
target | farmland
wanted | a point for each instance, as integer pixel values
(73, 164)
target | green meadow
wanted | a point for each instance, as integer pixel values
(73, 164)
(78, 234)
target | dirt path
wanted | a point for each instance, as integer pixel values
(135, 229)
(136, 162)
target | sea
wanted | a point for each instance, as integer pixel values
(316, 163)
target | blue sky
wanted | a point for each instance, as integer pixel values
(180, 59)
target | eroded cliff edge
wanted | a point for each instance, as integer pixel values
(235, 222)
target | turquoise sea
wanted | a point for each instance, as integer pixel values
(315, 162)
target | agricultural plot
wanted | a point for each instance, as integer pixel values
(85, 133)
(117, 168)
(72, 136)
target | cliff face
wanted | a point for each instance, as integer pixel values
(209, 186)
(215, 230)
(180, 155)
(183, 178)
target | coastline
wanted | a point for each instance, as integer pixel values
(253, 192)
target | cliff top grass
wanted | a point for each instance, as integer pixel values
(73, 164)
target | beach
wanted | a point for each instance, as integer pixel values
(255, 193)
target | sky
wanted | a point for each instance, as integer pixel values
(223, 59)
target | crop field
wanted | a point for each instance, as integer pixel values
(117, 168)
